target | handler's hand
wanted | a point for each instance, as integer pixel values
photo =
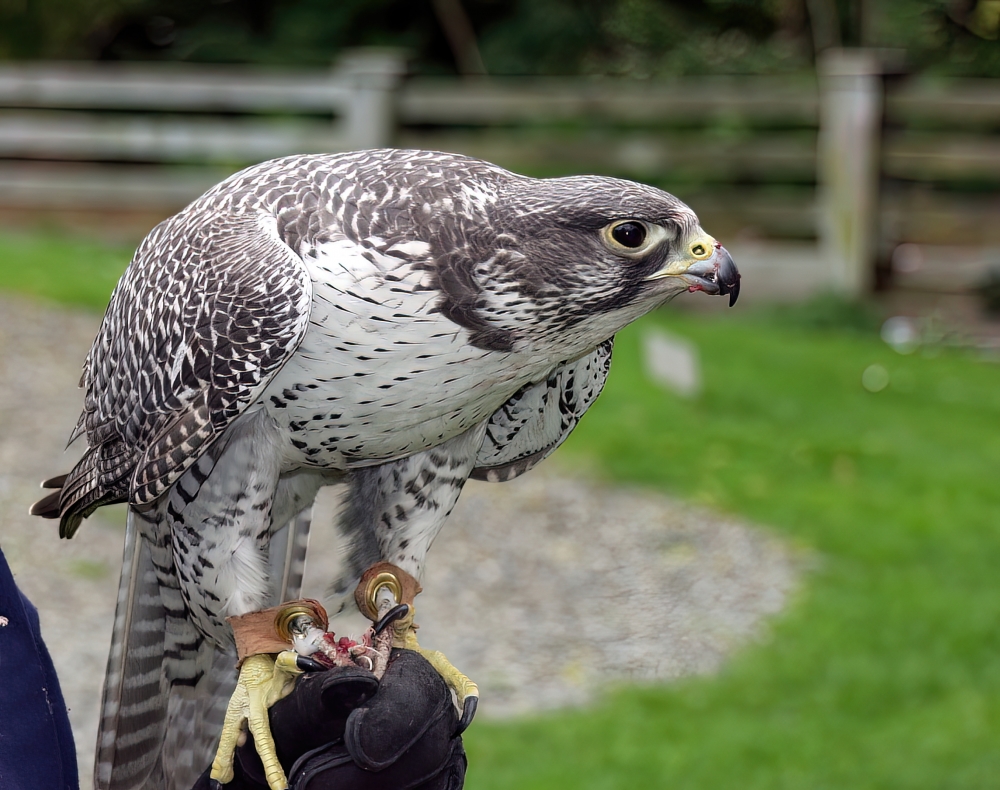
(344, 730)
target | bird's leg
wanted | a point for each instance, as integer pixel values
(264, 679)
(394, 512)
(220, 516)
(396, 509)
(382, 588)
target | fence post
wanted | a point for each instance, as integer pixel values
(373, 76)
(851, 103)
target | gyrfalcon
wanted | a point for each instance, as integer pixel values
(399, 321)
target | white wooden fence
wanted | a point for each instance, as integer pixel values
(859, 161)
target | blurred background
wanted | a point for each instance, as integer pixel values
(847, 154)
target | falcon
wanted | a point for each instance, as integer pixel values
(397, 321)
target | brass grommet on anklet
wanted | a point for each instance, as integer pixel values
(287, 616)
(376, 583)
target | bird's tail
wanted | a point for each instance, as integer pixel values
(194, 721)
(133, 706)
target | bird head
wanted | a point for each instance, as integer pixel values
(600, 252)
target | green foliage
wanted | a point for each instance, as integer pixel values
(61, 269)
(59, 29)
(638, 38)
(646, 38)
(296, 32)
(301, 33)
(938, 36)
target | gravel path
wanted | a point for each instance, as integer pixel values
(544, 590)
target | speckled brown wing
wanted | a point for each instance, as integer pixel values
(210, 308)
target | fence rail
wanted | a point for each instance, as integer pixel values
(179, 87)
(747, 153)
(966, 102)
(680, 102)
(90, 137)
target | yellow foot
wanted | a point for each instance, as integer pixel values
(263, 681)
(465, 690)
(382, 587)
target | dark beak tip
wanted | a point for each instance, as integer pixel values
(734, 292)
(728, 277)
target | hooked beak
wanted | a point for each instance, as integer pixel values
(715, 275)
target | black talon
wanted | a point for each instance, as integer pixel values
(468, 714)
(307, 664)
(395, 613)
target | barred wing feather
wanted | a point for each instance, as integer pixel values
(210, 308)
(539, 417)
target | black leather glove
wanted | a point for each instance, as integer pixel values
(342, 729)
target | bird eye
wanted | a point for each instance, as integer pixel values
(629, 234)
(633, 238)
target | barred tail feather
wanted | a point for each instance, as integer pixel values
(195, 715)
(167, 686)
(133, 707)
(156, 656)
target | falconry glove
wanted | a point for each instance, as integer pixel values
(342, 729)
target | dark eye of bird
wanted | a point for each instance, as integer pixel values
(629, 234)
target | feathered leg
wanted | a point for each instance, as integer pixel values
(394, 512)
(396, 509)
(221, 537)
(197, 714)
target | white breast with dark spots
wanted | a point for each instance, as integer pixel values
(380, 374)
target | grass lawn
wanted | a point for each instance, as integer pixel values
(59, 268)
(885, 672)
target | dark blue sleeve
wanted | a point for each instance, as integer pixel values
(36, 743)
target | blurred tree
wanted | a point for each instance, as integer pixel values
(461, 36)
(940, 36)
(825, 22)
(647, 37)
(635, 37)
(59, 28)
